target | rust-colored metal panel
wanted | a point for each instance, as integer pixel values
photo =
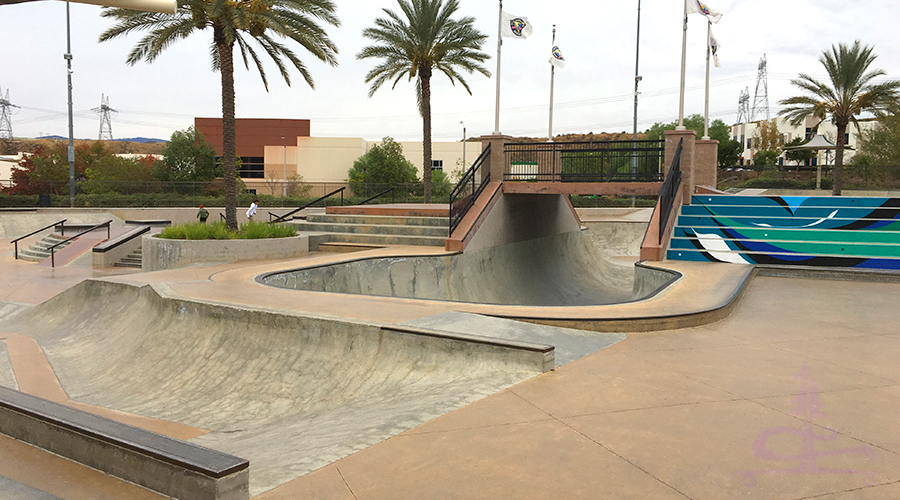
(252, 135)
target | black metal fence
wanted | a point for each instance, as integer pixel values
(669, 191)
(187, 194)
(595, 161)
(468, 188)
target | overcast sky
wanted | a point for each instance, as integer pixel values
(593, 93)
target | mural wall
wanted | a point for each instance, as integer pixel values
(790, 230)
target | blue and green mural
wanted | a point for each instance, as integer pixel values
(790, 230)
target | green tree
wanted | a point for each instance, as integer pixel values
(730, 152)
(882, 142)
(187, 157)
(849, 92)
(717, 130)
(767, 137)
(441, 184)
(428, 40)
(798, 155)
(234, 22)
(383, 164)
(47, 170)
(114, 174)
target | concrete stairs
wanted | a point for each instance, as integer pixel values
(843, 232)
(133, 259)
(367, 231)
(41, 249)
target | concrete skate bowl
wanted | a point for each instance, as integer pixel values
(290, 393)
(561, 270)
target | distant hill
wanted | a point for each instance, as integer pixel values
(141, 140)
(138, 145)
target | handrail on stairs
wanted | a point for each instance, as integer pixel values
(463, 196)
(53, 248)
(669, 190)
(282, 218)
(386, 191)
(15, 242)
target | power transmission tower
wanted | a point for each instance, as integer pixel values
(105, 122)
(6, 112)
(744, 106)
(761, 97)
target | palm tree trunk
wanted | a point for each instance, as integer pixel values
(838, 175)
(229, 173)
(425, 75)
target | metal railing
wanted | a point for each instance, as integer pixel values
(669, 191)
(468, 188)
(145, 194)
(96, 226)
(15, 242)
(282, 218)
(386, 191)
(723, 181)
(596, 161)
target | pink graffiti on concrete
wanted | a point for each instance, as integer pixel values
(808, 407)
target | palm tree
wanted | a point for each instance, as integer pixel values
(234, 22)
(425, 42)
(851, 92)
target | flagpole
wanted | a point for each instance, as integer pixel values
(499, 44)
(683, 62)
(637, 78)
(706, 103)
(552, 73)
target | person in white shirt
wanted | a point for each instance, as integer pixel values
(252, 210)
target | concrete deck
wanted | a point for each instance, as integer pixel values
(793, 395)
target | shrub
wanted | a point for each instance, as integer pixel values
(218, 231)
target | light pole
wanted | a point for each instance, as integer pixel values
(464, 145)
(68, 57)
(284, 186)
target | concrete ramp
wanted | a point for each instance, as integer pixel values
(290, 393)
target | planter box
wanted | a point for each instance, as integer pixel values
(161, 253)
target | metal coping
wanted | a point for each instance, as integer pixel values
(121, 239)
(477, 339)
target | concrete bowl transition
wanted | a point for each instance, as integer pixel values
(566, 269)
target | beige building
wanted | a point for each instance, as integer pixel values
(327, 159)
(748, 133)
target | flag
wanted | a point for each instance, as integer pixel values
(714, 48)
(514, 26)
(556, 58)
(698, 7)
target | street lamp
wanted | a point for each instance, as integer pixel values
(284, 186)
(464, 145)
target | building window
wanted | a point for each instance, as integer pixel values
(847, 139)
(437, 164)
(749, 143)
(252, 167)
(808, 132)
